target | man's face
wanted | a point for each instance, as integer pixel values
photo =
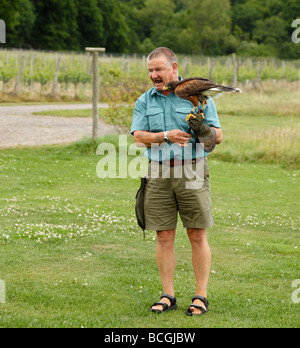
(160, 72)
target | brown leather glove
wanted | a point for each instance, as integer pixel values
(203, 134)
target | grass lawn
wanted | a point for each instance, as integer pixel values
(71, 254)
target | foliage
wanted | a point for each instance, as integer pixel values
(209, 27)
(75, 77)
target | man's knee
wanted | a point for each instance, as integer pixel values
(197, 236)
(166, 237)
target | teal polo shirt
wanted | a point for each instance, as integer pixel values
(155, 113)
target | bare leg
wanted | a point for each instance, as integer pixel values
(201, 257)
(165, 257)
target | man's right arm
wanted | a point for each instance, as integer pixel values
(175, 136)
(144, 138)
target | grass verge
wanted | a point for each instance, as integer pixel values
(71, 254)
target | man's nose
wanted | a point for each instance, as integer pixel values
(154, 75)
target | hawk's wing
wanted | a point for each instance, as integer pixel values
(193, 87)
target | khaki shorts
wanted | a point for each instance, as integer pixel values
(171, 190)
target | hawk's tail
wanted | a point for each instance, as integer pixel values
(228, 89)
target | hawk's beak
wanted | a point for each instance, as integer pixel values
(165, 88)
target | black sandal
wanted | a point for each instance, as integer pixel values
(203, 310)
(165, 306)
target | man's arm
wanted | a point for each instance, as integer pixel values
(175, 136)
(146, 138)
(219, 135)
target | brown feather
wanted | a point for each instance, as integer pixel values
(191, 89)
(194, 100)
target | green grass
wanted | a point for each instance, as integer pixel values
(68, 113)
(261, 127)
(72, 255)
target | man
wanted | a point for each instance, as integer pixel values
(160, 118)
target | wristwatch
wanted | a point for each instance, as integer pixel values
(166, 139)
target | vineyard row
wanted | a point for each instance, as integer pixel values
(52, 73)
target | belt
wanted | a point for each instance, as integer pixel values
(174, 163)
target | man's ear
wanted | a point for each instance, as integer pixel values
(175, 68)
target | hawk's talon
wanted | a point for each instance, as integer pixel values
(191, 115)
(200, 112)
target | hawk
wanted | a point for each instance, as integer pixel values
(197, 89)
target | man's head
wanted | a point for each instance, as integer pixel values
(162, 67)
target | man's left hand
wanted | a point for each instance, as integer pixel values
(203, 133)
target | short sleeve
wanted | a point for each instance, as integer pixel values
(211, 117)
(140, 120)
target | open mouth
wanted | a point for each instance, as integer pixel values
(157, 81)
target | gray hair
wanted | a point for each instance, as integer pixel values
(165, 52)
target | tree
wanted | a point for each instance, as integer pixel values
(211, 27)
(9, 13)
(26, 19)
(135, 35)
(247, 13)
(116, 30)
(271, 31)
(208, 35)
(154, 18)
(56, 25)
(90, 24)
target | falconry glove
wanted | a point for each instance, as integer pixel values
(203, 134)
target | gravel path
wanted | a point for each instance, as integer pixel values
(19, 127)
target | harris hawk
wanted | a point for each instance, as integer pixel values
(197, 89)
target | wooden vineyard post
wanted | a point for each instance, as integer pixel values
(19, 76)
(235, 69)
(95, 51)
(55, 81)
